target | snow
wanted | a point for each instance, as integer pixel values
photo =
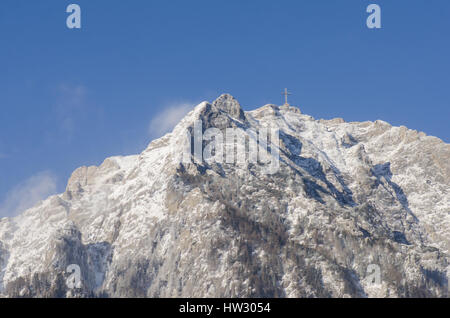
(126, 196)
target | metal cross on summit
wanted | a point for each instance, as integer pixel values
(286, 94)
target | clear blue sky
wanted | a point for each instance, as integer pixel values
(74, 97)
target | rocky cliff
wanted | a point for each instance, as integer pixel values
(354, 210)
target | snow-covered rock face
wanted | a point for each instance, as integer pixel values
(354, 210)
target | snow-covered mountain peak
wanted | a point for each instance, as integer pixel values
(345, 197)
(230, 105)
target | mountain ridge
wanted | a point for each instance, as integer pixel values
(346, 196)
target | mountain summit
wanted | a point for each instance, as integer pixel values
(351, 210)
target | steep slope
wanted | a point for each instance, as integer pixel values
(346, 198)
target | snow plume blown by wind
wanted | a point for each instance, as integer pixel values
(168, 118)
(28, 193)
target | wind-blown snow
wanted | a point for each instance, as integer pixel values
(347, 195)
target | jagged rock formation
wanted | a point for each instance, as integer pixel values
(346, 196)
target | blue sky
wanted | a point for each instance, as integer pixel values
(70, 98)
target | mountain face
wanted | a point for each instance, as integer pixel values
(352, 210)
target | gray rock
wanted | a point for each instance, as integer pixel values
(349, 200)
